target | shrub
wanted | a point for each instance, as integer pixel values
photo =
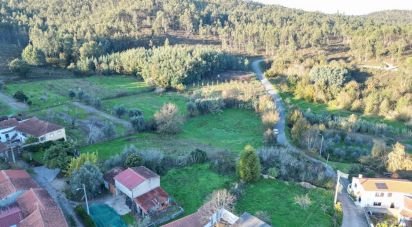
(224, 162)
(191, 109)
(89, 175)
(198, 156)
(119, 111)
(270, 118)
(86, 219)
(72, 94)
(303, 201)
(168, 119)
(327, 75)
(77, 162)
(135, 112)
(21, 97)
(33, 56)
(249, 168)
(273, 172)
(19, 66)
(269, 137)
(133, 160)
(138, 123)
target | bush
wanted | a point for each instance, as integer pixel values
(133, 160)
(168, 119)
(270, 118)
(303, 201)
(273, 172)
(82, 214)
(191, 109)
(119, 111)
(138, 123)
(21, 97)
(135, 113)
(249, 168)
(224, 162)
(269, 137)
(33, 56)
(19, 66)
(198, 156)
(72, 94)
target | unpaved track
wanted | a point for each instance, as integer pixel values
(112, 118)
(18, 106)
(352, 216)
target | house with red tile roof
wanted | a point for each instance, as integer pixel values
(24, 204)
(143, 191)
(39, 209)
(13, 182)
(16, 132)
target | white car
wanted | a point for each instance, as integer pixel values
(275, 131)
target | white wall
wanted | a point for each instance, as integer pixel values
(368, 198)
(141, 189)
(3, 133)
(56, 135)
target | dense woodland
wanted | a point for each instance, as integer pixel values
(60, 29)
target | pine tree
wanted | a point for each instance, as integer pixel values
(249, 168)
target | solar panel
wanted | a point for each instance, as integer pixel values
(381, 185)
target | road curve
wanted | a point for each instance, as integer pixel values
(352, 215)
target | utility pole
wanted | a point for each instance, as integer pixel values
(321, 146)
(340, 174)
(85, 198)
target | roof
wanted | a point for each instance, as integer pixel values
(386, 185)
(36, 127)
(248, 220)
(152, 199)
(10, 215)
(407, 202)
(12, 181)
(109, 175)
(11, 122)
(192, 220)
(132, 177)
(40, 209)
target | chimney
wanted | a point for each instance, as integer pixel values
(360, 176)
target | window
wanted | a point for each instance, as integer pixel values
(7, 136)
(356, 185)
(379, 194)
(377, 204)
(389, 194)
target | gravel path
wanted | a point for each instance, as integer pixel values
(19, 106)
(91, 109)
(352, 216)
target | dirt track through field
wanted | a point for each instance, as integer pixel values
(18, 106)
(112, 118)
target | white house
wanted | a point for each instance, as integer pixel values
(142, 188)
(14, 131)
(381, 193)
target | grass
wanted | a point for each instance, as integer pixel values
(148, 103)
(277, 199)
(5, 109)
(47, 93)
(230, 130)
(129, 219)
(190, 186)
(342, 166)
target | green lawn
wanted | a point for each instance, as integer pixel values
(5, 109)
(277, 199)
(190, 186)
(148, 103)
(342, 166)
(229, 130)
(47, 93)
(129, 219)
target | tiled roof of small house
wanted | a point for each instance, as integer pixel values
(248, 220)
(36, 127)
(192, 220)
(40, 210)
(11, 122)
(10, 215)
(12, 181)
(132, 177)
(154, 198)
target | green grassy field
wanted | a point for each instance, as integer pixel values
(148, 103)
(47, 93)
(230, 130)
(5, 109)
(277, 199)
(190, 186)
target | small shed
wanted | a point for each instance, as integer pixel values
(109, 179)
